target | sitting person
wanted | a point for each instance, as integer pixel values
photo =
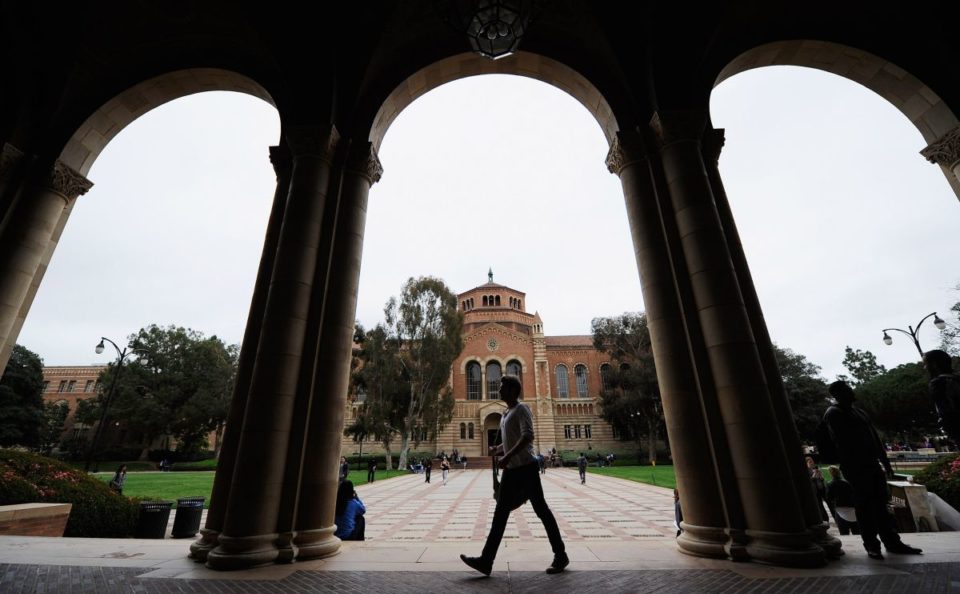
(349, 513)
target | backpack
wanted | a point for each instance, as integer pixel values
(826, 447)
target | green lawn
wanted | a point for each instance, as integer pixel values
(171, 485)
(661, 476)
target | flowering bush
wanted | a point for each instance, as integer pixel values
(943, 478)
(97, 511)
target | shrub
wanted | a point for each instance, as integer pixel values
(943, 478)
(97, 511)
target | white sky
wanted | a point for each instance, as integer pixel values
(836, 208)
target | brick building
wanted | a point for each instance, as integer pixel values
(561, 377)
(67, 384)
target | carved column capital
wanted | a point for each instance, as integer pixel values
(712, 144)
(66, 181)
(313, 140)
(627, 148)
(363, 159)
(9, 158)
(678, 126)
(945, 150)
(281, 160)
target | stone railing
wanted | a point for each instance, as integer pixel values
(34, 519)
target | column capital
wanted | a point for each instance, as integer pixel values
(66, 181)
(320, 141)
(678, 126)
(281, 160)
(362, 158)
(627, 148)
(945, 150)
(712, 143)
(9, 157)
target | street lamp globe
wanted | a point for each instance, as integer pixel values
(886, 339)
(99, 348)
(939, 323)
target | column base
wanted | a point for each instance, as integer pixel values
(243, 552)
(736, 547)
(209, 539)
(702, 541)
(286, 550)
(789, 549)
(314, 544)
(830, 544)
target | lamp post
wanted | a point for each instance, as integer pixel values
(940, 324)
(121, 356)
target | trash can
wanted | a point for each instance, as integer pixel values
(187, 521)
(153, 519)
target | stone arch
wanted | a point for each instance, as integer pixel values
(466, 360)
(932, 117)
(93, 135)
(527, 64)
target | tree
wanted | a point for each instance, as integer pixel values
(630, 396)
(950, 336)
(55, 416)
(862, 366)
(899, 404)
(806, 390)
(180, 385)
(424, 328)
(379, 378)
(21, 399)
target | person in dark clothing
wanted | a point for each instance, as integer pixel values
(861, 455)
(819, 486)
(427, 467)
(582, 467)
(944, 391)
(344, 470)
(521, 481)
(371, 470)
(842, 503)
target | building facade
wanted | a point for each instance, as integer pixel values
(562, 377)
(68, 384)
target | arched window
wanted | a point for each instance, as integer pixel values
(519, 304)
(463, 430)
(497, 300)
(563, 382)
(514, 368)
(484, 300)
(470, 430)
(580, 372)
(473, 381)
(493, 380)
(605, 377)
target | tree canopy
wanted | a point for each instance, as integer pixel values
(899, 404)
(862, 366)
(806, 390)
(406, 364)
(179, 384)
(22, 417)
(630, 397)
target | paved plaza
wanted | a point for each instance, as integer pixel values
(619, 536)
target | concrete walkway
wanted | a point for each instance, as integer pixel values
(619, 535)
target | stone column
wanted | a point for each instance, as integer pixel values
(25, 239)
(697, 482)
(712, 144)
(12, 164)
(776, 527)
(249, 528)
(209, 536)
(946, 152)
(318, 488)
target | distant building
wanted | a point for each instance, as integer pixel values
(67, 384)
(561, 377)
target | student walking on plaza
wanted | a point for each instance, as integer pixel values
(371, 470)
(427, 467)
(520, 482)
(445, 469)
(582, 467)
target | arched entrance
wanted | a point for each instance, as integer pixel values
(491, 431)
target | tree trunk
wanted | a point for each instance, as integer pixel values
(389, 460)
(652, 439)
(218, 441)
(404, 446)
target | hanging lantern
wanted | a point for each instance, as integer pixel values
(494, 28)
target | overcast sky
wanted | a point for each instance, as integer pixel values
(837, 210)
